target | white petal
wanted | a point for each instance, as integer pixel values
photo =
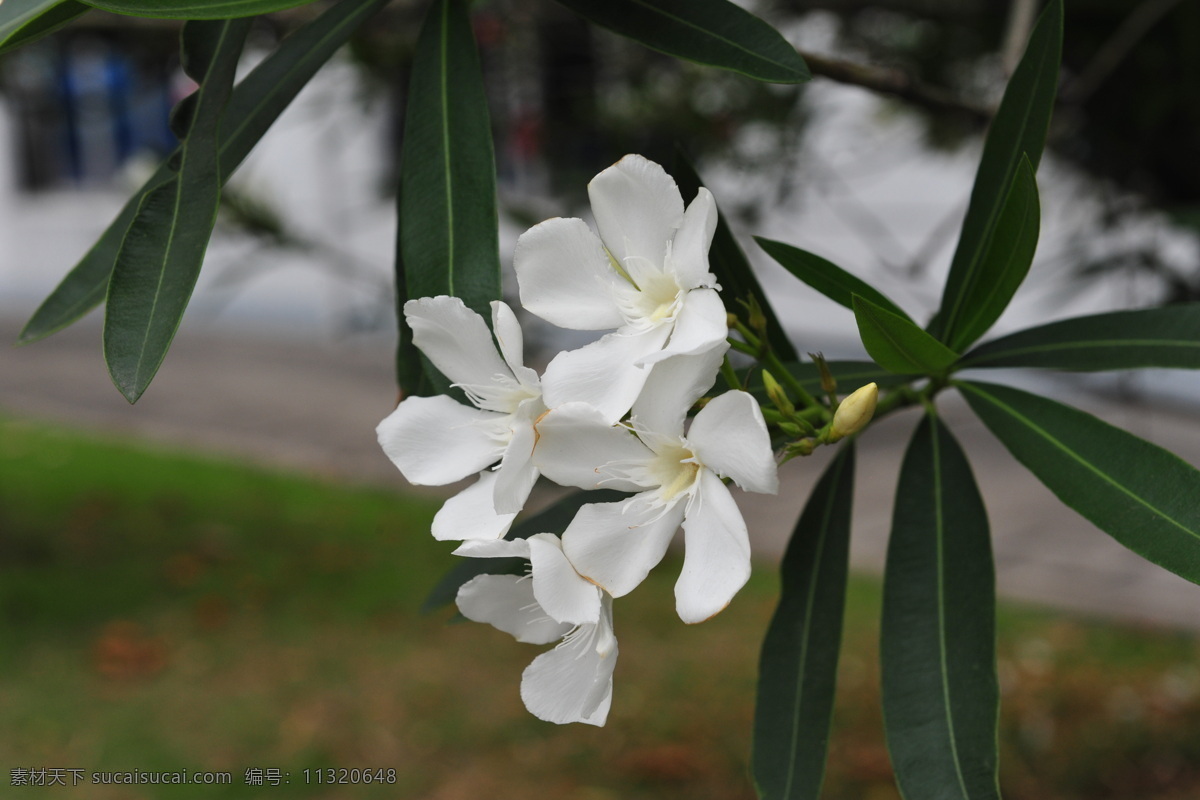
(435, 440)
(637, 208)
(512, 343)
(730, 437)
(455, 339)
(493, 548)
(506, 602)
(559, 589)
(603, 373)
(573, 682)
(565, 277)
(700, 326)
(716, 561)
(674, 385)
(689, 250)
(615, 545)
(575, 440)
(517, 472)
(471, 514)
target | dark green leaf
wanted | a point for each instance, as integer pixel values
(254, 106)
(22, 21)
(897, 344)
(1142, 495)
(195, 9)
(448, 229)
(733, 270)
(553, 519)
(713, 32)
(1019, 128)
(163, 250)
(1152, 337)
(798, 666)
(1003, 263)
(826, 277)
(938, 639)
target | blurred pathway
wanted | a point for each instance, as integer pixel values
(314, 407)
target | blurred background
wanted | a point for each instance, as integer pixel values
(228, 575)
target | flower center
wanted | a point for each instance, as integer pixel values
(676, 469)
(656, 299)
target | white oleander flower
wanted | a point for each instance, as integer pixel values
(437, 440)
(572, 682)
(677, 480)
(646, 275)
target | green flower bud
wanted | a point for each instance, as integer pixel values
(777, 394)
(854, 412)
(828, 383)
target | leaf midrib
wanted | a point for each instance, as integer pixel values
(1085, 344)
(183, 161)
(808, 611)
(943, 655)
(713, 35)
(1079, 459)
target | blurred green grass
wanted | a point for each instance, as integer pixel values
(163, 611)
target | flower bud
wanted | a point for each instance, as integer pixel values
(757, 319)
(828, 383)
(803, 447)
(777, 394)
(854, 412)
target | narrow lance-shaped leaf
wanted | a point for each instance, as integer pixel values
(448, 228)
(938, 639)
(1152, 337)
(163, 250)
(826, 277)
(22, 21)
(732, 268)
(553, 519)
(1140, 494)
(897, 344)
(798, 665)
(195, 9)
(1019, 128)
(1003, 263)
(716, 33)
(256, 103)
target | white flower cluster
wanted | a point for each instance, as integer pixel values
(610, 415)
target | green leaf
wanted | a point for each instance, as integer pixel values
(448, 230)
(1142, 495)
(897, 344)
(22, 21)
(938, 639)
(826, 277)
(1019, 129)
(553, 519)
(1152, 337)
(798, 665)
(1003, 263)
(716, 33)
(256, 103)
(730, 265)
(195, 9)
(163, 250)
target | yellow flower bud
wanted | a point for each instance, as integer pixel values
(854, 412)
